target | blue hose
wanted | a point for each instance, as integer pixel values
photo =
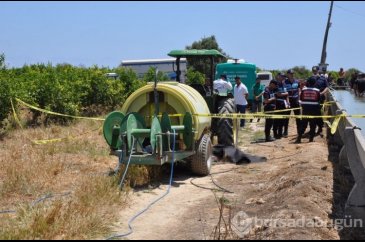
(7, 211)
(154, 202)
(127, 167)
(46, 197)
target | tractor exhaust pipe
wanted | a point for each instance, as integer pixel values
(157, 110)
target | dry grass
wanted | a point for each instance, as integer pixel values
(79, 166)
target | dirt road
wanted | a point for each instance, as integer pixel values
(295, 183)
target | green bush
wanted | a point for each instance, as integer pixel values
(65, 89)
(151, 73)
(5, 96)
(195, 77)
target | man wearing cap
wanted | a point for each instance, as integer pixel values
(240, 98)
(315, 70)
(292, 85)
(222, 86)
(323, 86)
(281, 104)
(310, 98)
(269, 106)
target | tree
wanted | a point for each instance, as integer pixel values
(203, 64)
(150, 75)
(2, 61)
(194, 77)
(129, 79)
(301, 72)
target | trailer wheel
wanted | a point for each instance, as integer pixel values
(202, 161)
(225, 126)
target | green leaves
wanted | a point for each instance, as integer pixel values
(203, 64)
(151, 73)
(66, 89)
(5, 106)
(2, 61)
(194, 77)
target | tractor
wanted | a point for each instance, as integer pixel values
(222, 128)
(165, 122)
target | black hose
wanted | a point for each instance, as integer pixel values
(220, 188)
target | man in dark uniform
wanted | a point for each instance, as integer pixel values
(310, 99)
(270, 105)
(292, 86)
(281, 104)
(323, 86)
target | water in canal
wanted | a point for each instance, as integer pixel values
(353, 105)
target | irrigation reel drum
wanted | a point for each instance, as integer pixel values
(137, 134)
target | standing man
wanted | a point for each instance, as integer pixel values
(292, 85)
(341, 77)
(323, 86)
(310, 98)
(281, 104)
(222, 86)
(269, 106)
(240, 98)
(258, 92)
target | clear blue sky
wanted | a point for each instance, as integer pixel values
(273, 35)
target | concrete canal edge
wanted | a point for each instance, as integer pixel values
(351, 147)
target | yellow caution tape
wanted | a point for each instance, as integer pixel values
(334, 125)
(356, 116)
(329, 102)
(170, 115)
(47, 141)
(252, 116)
(57, 114)
(267, 115)
(283, 110)
(174, 115)
(15, 115)
(43, 142)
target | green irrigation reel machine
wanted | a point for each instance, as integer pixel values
(163, 115)
(154, 118)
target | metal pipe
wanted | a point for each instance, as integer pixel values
(157, 106)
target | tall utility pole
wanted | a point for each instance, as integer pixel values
(323, 65)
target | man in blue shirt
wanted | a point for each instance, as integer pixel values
(323, 86)
(292, 86)
(281, 104)
(269, 106)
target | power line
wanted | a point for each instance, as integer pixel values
(350, 11)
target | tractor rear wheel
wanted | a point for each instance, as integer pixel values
(225, 125)
(202, 161)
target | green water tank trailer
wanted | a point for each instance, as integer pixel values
(136, 133)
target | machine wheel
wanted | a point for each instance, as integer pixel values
(202, 162)
(225, 126)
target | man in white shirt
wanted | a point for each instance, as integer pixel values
(222, 86)
(240, 98)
